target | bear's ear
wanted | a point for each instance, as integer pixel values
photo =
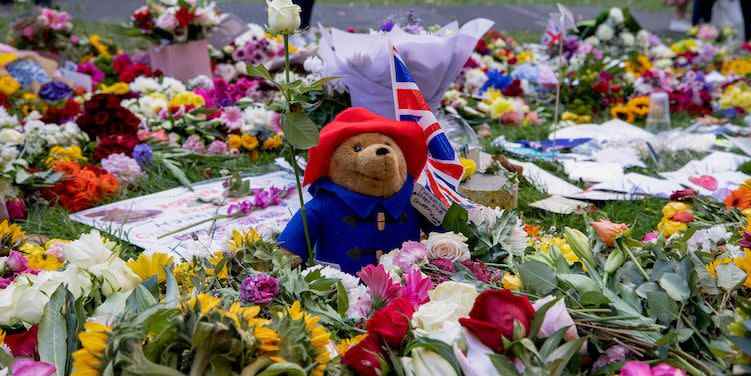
(355, 115)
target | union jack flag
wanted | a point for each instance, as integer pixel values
(442, 172)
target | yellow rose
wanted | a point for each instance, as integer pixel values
(187, 98)
(8, 85)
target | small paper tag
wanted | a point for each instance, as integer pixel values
(428, 205)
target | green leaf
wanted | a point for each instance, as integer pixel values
(552, 342)
(729, 276)
(140, 365)
(561, 356)
(661, 306)
(503, 365)
(342, 301)
(172, 295)
(646, 288)
(580, 282)
(177, 173)
(53, 334)
(593, 298)
(139, 300)
(299, 130)
(537, 277)
(537, 320)
(456, 219)
(676, 286)
(260, 71)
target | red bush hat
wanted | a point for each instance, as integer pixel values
(353, 121)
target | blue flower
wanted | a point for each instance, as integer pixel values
(142, 154)
(55, 91)
(496, 80)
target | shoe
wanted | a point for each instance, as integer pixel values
(680, 26)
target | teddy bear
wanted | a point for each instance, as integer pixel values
(361, 177)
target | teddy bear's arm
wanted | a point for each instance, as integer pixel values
(292, 239)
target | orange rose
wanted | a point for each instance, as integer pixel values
(608, 231)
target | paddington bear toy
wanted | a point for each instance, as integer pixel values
(361, 177)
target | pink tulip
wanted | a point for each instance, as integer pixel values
(30, 367)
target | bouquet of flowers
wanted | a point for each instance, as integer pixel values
(168, 22)
(49, 30)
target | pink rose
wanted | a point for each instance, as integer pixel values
(411, 253)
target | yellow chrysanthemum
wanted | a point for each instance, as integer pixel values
(8, 85)
(184, 273)
(240, 239)
(511, 282)
(11, 235)
(470, 167)
(205, 302)
(249, 142)
(151, 265)
(64, 154)
(39, 259)
(273, 142)
(344, 345)
(187, 98)
(118, 88)
(88, 360)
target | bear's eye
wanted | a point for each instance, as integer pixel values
(357, 148)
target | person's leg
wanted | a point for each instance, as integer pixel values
(746, 11)
(307, 11)
(702, 12)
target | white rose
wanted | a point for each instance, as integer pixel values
(22, 301)
(86, 251)
(76, 281)
(387, 260)
(11, 137)
(448, 245)
(616, 15)
(284, 16)
(604, 33)
(426, 363)
(439, 318)
(116, 276)
(628, 39)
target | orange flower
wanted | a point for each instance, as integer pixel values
(532, 230)
(67, 167)
(739, 198)
(608, 231)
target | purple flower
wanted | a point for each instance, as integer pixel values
(746, 241)
(217, 148)
(650, 237)
(244, 207)
(30, 367)
(142, 154)
(16, 209)
(126, 169)
(259, 288)
(17, 262)
(55, 91)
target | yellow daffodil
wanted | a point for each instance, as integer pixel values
(147, 266)
(546, 243)
(8, 85)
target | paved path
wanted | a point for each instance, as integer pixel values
(530, 18)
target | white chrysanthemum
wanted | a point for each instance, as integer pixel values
(642, 37)
(171, 87)
(474, 79)
(516, 241)
(604, 33)
(627, 39)
(256, 118)
(8, 154)
(616, 15)
(145, 85)
(7, 120)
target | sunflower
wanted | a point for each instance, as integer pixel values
(88, 360)
(319, 337)
(242, 240)
(621, 111)
(11, 235)
(639, 105)
(205, 303)
(151, 265)
(344, 345)
(247, 317)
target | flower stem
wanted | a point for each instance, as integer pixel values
(293, 161)
(627, 249)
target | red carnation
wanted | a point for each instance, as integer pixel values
(365, 357)
(133, 71)
(391, 323)
(113, 144)
(493, 315)
(184, 16)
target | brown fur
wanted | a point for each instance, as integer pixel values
(357, 165)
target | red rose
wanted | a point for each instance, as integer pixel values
(493, 316)
(365, 357)
(113, 144)
(391, 323)
(23, 343)
(184, 16)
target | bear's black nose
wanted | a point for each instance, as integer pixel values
(382, 151)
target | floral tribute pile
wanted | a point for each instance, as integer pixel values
(491, 294)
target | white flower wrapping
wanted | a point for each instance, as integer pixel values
(448, 245)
